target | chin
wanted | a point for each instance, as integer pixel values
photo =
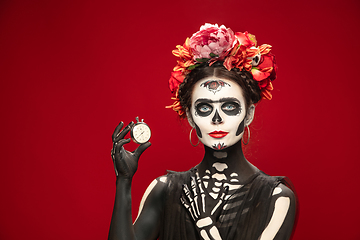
(221, 145)
(218, 146)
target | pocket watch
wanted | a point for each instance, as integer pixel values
(140, 132)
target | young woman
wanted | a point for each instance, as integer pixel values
(218, 79)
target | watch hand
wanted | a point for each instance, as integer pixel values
(140, 134)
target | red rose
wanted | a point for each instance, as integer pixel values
(175, 80)
(268, 60)
(266, 69)
(246, 39)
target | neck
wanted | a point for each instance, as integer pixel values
(232, 156)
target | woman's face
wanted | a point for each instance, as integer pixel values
(218, 112)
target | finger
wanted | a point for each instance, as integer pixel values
(186, 204)
(123, 132)
(196, 197)
(117, 130)
(141, 149)
(184, 201)
(199, 183)
(120, 144)
(194, 186)
(187, 192)
(221, 201)
(223, 192)
(190, 200)
(202, 192)
(216, 207)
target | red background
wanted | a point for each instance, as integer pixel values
(71, 70)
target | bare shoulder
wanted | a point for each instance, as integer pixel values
(283, 191)
(284, 199)
(151, 205)
(155, 190)
(281, 215)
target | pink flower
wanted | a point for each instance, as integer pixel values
(212, 41)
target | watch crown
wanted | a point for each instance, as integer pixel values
(137, 119)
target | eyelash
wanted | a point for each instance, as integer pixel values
(227, 107)
(233, 106)
(204, 106)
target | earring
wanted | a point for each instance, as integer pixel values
(248, 139)
(190, 139)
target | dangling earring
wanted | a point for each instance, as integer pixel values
(242, 139)
(190, 139)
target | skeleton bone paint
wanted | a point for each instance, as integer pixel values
(217, 112)
(194, 201)
(205, 222)
(218, 178)
(217, 183)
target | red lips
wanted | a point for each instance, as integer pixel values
(218, 134)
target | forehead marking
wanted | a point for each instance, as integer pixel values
(214, 86)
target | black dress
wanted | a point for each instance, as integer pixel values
(243, 217)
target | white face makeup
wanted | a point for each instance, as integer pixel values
(218, 111)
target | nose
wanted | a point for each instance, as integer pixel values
(216, 118)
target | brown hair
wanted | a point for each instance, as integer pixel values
(251, 90)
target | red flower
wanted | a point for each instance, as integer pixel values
(265, 72)
(241, 54)
(246, 39)
(175, 80)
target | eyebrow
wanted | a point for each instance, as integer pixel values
(226, 99)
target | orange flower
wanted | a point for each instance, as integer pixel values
(183, 52)
(176, 106)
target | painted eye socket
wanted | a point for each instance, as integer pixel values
(231, 108)
(228, 107)
(204, 109)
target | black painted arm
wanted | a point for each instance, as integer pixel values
(125, 163)
(282, 194)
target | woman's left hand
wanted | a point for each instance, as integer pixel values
(205, 217)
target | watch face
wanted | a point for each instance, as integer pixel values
(141, 133)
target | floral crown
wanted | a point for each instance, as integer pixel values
(236, 50)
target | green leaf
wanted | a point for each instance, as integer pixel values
(213, 55)
(193, 66)
(202, 60)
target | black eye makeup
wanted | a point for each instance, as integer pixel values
(229, 105)
(203, 109)
(231, 108)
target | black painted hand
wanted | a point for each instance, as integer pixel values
(125, 162)
(204, 213)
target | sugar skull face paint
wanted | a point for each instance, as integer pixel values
(218, 112)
